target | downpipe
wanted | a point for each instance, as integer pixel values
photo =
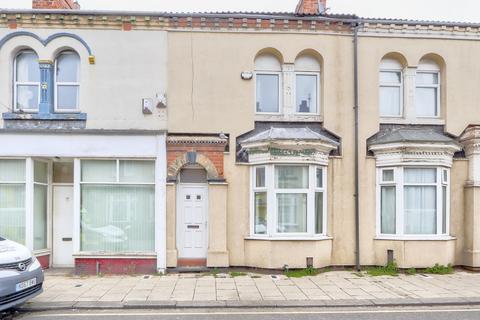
(357, 177)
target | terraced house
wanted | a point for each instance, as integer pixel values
(292, 139)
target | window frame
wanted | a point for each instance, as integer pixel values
(399, 184)
(272, 204)
(280, 91)
(307, 73)
(17, 83)
(66, 84)
(436, 86)
(401, 86)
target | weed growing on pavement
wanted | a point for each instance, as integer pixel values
(439, 269)
(391, 269)
(411, 271)
(234, 274)
(310, 271)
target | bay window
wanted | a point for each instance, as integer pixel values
(288, 200)
(117, 206)
(413, 201)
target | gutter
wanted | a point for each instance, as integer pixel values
(357, 177)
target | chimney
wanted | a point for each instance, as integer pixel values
(311, 7)
(55, 4)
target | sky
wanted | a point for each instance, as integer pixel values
(441, 10)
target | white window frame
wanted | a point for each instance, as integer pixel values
(272, 206)
(78, 182)
(307, 73)
(280, 90)
(436, 86)
(391, 85)
(66, 84)
(399, 199)
(18, 83)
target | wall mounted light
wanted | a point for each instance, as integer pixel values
(246, 75)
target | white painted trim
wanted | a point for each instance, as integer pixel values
(392, 85)
(415, 238)
(276, 238)
(29, 229)
(280, 91)
(143, 255)
(16, 83)
(76, 205)
(71, 84)
(160, 204)
(318, 93)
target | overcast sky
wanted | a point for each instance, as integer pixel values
(445, 10)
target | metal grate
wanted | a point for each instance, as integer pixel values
(19, 295)
(17, 265)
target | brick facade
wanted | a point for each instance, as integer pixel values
(115, 266)
(311, 7)
(55, 4)
(208, 154)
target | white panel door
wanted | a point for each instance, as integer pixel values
(192, 216)
(63, 226)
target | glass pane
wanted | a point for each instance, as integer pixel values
(40, 171)
(319, 212)
(426, 102)
(292, 212)
(426, 78)
(67, 97)
(28, 69)
(260, 177)
(193, 176)
(291, 177)
(387, 175)
(67, 67)
(445, 176)
(99, 171)
(306, 93)
(390, 101)
(388, 210)
(390, 77)
(444, 210)
(12, 171)
(117, 218)
(63, 172)
(420, 175)
(40, 217)
(260, 226)
(27, 97)
(12, 212)
(420, 206)
(137, 171)
(267, 92)
(319, 172)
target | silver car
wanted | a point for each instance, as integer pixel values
(21, 275)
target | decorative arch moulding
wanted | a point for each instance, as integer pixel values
(49, 39)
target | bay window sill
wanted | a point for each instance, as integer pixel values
(416, 238)
(292, 238)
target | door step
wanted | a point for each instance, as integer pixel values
(190, 269)
(188, 262)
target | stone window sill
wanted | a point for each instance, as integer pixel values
(293, 238)
(45, 116)
(416, 238)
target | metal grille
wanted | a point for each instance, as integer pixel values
(19, 295)
(16, 265)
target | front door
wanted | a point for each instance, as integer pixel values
(62, 226)
(192, 216)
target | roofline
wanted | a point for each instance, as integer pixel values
(347, 18)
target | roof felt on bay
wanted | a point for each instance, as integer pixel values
(301, 134)
(410, 133)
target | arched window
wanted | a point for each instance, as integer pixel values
(391, 88)
(307, 79)
(267, 77)
(26, 81)
(67, 83)
(427, 89)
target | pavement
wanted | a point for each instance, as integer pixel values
(63, 291)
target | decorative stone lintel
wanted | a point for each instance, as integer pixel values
(398, 154)
(470, 139)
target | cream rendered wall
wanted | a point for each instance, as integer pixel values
(129, 66)
(207, 95)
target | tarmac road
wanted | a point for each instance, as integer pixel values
(437, 313)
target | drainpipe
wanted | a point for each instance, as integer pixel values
(357, 177)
